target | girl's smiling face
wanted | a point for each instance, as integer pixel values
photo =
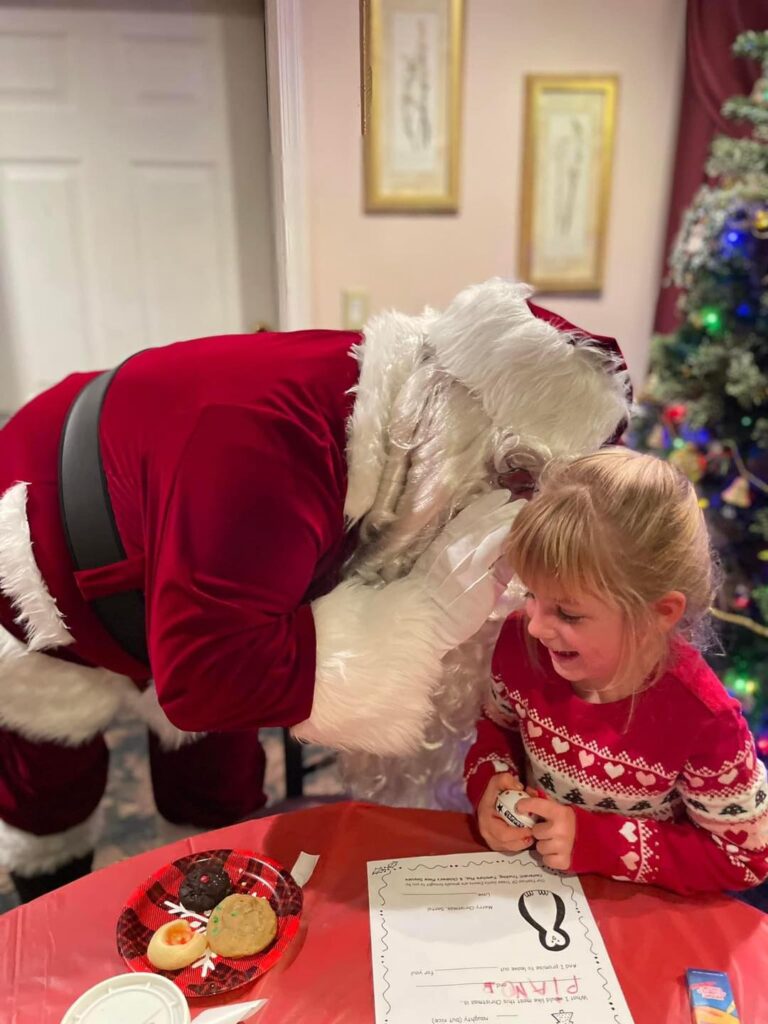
(583, 635)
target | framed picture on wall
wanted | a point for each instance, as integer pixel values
(411, 63)
(567, 156)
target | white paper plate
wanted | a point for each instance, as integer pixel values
(130, 999)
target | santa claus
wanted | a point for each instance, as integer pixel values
(278, 530)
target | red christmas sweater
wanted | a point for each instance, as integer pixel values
(669, 792)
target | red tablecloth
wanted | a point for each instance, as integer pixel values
(55, 948)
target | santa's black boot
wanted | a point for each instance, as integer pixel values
(38, 885)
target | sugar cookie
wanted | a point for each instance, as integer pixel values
(175, 945)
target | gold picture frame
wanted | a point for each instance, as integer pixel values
(567, 162)
(411, 65)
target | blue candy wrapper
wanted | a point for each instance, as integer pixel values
(711, 997)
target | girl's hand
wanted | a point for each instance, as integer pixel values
(555, 834)
(495, 831)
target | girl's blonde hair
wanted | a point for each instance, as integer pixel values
(627, 528)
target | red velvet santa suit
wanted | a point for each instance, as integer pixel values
(235, 466)
(224, 459)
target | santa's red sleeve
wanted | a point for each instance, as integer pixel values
(233, 641)
(722, 845)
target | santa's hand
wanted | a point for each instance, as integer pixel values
(457, 569)
(555, 834)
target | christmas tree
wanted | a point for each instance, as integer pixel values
(707, 396)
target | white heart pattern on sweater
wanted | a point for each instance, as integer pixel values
(520, 710)
(727, 777)
(629, 831)
(560, 745)
(533, 729)
(695, 781)
(614, 770)
(586, 758)
(631, 860)
(645, 778)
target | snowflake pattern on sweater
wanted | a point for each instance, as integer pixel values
(666, 786)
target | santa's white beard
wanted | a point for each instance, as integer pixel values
(439, 462)
(433, 776)
(439, 457)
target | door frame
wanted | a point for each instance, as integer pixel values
(286, 97)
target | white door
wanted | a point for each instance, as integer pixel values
(117, 224)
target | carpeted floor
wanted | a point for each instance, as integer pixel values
(131, 824)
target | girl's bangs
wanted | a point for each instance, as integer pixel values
(555, 541)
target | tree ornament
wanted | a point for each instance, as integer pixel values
(759, 94)
(718, 459)
(689, 461)
(675, 413)
(656, 437)
(760, 223)
(737, 493)
(741, 599)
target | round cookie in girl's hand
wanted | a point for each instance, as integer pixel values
(506, 808)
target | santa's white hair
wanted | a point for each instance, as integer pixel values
(446, 405)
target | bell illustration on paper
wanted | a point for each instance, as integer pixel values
(545, 911)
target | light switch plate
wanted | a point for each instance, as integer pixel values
(354, 309)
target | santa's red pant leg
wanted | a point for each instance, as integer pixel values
(214, 781)
(50, 796)
(48, 791)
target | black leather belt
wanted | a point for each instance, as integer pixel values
(88, 519)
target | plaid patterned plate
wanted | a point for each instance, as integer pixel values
(156, 901)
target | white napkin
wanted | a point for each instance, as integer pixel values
(303, 868)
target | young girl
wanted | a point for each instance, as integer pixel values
(645, 767)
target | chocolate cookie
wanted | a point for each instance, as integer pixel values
(203, 887)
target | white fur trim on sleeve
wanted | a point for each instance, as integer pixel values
(28, 855)
(21, 580)
(45, 698)
(377, 665)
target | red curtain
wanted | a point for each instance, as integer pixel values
(712, 75)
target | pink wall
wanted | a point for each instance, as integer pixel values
(409, 261)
